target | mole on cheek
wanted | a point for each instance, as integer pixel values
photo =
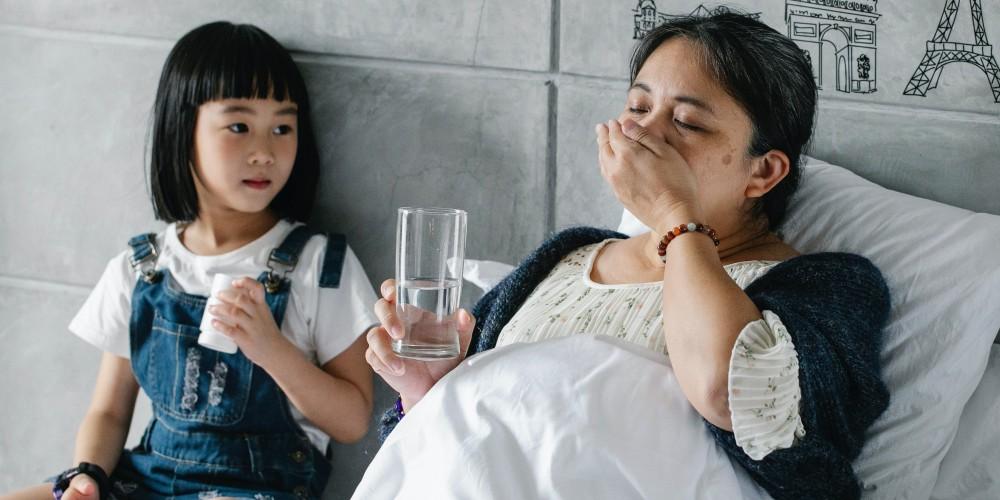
(727, 159)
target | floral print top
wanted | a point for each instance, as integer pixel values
(764, 392)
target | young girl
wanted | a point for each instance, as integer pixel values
(234, 166)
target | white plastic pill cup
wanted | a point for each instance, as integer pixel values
(210, 337)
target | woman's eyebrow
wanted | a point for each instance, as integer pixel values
(698, 103)
(641, 86)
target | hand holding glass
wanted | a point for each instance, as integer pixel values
(430, 254)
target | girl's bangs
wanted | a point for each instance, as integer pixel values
(249, 64)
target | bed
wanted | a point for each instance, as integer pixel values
(936, 440)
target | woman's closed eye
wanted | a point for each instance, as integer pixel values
(688, 126)
(682, 124)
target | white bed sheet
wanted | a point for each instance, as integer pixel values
(971, 469)
(576, 417)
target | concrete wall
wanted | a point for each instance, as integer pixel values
(487, 106)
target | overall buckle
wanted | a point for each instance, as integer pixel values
(146, 266)
(278, 268)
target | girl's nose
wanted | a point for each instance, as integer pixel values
(261, 156)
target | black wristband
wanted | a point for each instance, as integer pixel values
(93, 470)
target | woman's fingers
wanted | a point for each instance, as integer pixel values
(604, 141)
(618, 140)
(388, 290)
(466, 325)
(641, 136)
(382, 358)
(376, 363)
(386, 312)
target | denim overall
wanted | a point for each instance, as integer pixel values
(221, 426)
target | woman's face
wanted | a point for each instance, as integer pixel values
(680, 102)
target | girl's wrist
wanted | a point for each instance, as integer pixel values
(280, 353)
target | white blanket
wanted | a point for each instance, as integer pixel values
(570, 418)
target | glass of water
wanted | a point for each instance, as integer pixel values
(430, 254)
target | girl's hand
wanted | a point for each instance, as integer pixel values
(647, 175)
(244, 316)
(409, 377)
(82, 487)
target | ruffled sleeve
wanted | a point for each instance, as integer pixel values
(764, 391)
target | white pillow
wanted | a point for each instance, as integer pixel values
(971, 469)
(942, 264)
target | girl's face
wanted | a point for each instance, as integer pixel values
(244, 150)
(675, 99)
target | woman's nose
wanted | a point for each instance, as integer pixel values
(654, 123)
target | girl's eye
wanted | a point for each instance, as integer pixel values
(687, 126)
(636, 111)
(282, 130)
(239, 128)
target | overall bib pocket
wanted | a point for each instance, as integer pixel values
(193, 383)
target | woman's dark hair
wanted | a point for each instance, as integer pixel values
(222, 60)
(766, 73)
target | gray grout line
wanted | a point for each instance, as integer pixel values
(552, 157)
(422, 66)
(552, 160)
(86, 36)
(43, 286)
(552, 76)
(912, 112)
(555, 34)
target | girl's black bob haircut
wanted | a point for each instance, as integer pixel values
(222, 60)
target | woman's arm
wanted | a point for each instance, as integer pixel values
(704, 311)
(337, 398)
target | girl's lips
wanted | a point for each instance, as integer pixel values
(257, 184)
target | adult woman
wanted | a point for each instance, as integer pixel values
(718, 112)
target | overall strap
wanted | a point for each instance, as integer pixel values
(333, 262)
(144, 255)
(285, 257)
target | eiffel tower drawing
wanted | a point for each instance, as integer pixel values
(942, 52)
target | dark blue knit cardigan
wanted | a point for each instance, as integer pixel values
(834, 306)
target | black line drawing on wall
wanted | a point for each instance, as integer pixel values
(941, 51)
(839, 38)
(647, 17)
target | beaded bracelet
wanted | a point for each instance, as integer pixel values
(690, 227)
(399, 408)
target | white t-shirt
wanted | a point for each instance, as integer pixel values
(321, 322)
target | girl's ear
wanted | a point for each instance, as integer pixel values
(767, 171)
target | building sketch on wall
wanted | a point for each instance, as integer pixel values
(840, 40)
(647, 17)
(941, 51)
